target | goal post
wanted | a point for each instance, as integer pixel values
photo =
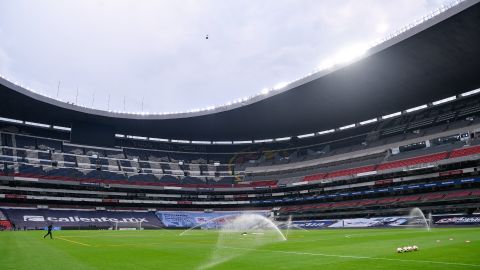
(127, 225)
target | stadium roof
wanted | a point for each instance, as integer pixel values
(436, 59)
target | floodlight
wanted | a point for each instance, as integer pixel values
(471, 92)
(280, 85)
(417, 108)
(391, 115)
(351, 53)
(326, 131)
(368, 121)
(444, 100)
(306, 135)
(326, 64)
(347, 127)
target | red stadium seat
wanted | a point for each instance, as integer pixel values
(475, 193)
(263, 183)
(432, 197)
(457, 194)
(412, 161)
(352, 171)
(367, 202)
(323, 205)
(344, 204)
(408, 199)
(465, 152)
(314, 177)
(387, 200)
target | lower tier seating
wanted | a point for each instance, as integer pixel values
(452, 195)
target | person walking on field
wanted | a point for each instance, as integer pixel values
(50, 227)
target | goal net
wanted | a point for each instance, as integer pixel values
(128, 225)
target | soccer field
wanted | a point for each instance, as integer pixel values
(316, 249)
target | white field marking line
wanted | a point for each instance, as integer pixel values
(354, 257)
(75, 242)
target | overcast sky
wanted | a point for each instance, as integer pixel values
(157, 50)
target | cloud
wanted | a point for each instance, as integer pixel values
(157, 51)
(4, 63)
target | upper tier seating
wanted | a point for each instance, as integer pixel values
(109, 169)
(47, 144)
(25, 142)
(73, 150)
(191, 164)
(142, 177)
(384, 166)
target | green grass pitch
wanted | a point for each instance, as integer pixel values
(317, 249)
